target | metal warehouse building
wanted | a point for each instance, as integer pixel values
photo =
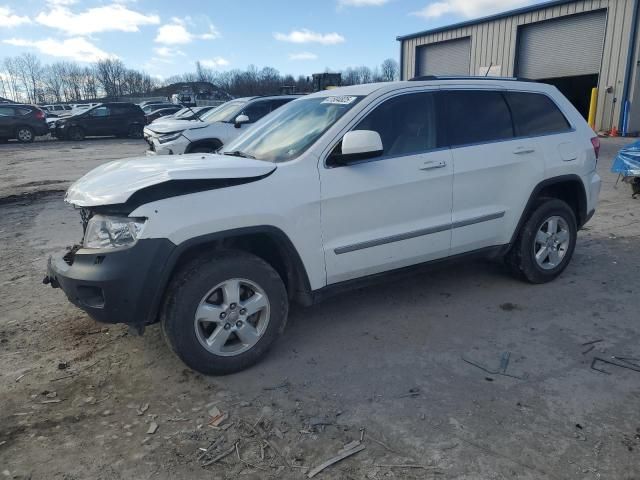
(575, 45)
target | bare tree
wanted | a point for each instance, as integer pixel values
(390, 70)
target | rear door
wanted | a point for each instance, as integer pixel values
(98, 121)
(7, 121)
(494, 172)
(395, 210)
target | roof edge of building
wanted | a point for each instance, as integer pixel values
(488, 18)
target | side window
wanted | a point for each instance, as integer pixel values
(257, 110)
(6, 112)
(278, 103)
(476, 117)
(535, 114)
(23, 111)
(406, 124)
(100, 112)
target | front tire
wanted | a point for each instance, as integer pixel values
(223, 311)
(25, 134)
(76, 134)
(135, 131)
(546, 242)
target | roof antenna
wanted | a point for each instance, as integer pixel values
(488, 70)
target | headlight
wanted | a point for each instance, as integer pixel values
(169, 137)
(112, 232)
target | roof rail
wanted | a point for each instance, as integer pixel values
(424, 78)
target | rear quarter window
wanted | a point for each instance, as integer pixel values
(535, 114)
(476, 116)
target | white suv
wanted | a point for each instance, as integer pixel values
(328, 193)
(214, 129)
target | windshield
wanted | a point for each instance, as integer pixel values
(291, 129)
(225, 112)
(182, 113)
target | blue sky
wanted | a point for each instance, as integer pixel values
(166, 37)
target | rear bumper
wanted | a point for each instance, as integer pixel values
(122, 286)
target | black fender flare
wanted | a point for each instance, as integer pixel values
(582, 216)
(298, 273)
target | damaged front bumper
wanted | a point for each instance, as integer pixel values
(119, 286)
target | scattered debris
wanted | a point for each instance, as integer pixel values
(342, 454)
(592, 342)
(588, 349)
(413, 393)
(56, 400)
(21, 376)
(63, 365)
(217, 417)
(220, 457)
(284, 384)
(408, 465)
(510, 307)
(501, 370)
(142, 408)
(3, 442)
(153, 428)
(623, 364)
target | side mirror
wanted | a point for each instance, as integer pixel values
(357, 145)
(240, 119)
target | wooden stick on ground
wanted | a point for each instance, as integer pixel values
(336, 459)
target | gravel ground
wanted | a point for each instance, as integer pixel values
(381, 365)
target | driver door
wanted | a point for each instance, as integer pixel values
(391, 211)
(99, 121)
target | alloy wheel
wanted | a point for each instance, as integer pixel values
(552, 242)
(232, 317)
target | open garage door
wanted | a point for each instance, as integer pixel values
(566, 52)
(452, 57)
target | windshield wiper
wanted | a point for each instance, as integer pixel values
(195, 114)
(238, 153)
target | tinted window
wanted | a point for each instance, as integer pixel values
(406, 124)
(535, 114)
(278, 103)
(6, 111)
(23, 111)
(99, 112)
(257, 110)
(477, 117)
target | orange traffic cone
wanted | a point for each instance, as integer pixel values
(614, 132)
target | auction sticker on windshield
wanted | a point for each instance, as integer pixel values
(343, 100)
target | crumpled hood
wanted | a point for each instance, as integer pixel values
(169, 126)
(114, 182)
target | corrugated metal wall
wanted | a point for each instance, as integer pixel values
(495, 43)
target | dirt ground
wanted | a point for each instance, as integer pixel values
(383, 365)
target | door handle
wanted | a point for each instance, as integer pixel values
(524, 150)
(433, 165)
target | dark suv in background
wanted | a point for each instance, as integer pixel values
(22, 122)
(117, 119)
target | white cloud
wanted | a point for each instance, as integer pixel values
(177, 33)
(76, 48)
(168, 52)
(303, 56)
(361, 3)
(95, 20)
(468, 8)
(9, 19)
(215, 62)
(307, 36)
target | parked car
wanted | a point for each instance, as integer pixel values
(22, 122)
(327, 194)
(118, 119)
(218, 126)
(156, 106)
(192, 114)
(161, 112)
(57, 108)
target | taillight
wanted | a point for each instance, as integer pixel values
(595, 141)
(40, 115)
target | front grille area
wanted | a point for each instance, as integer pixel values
(70, 256)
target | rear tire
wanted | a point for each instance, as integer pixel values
(25, 134)
(545, 243)
(135, 131)
(76, 134)
(210, 331)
